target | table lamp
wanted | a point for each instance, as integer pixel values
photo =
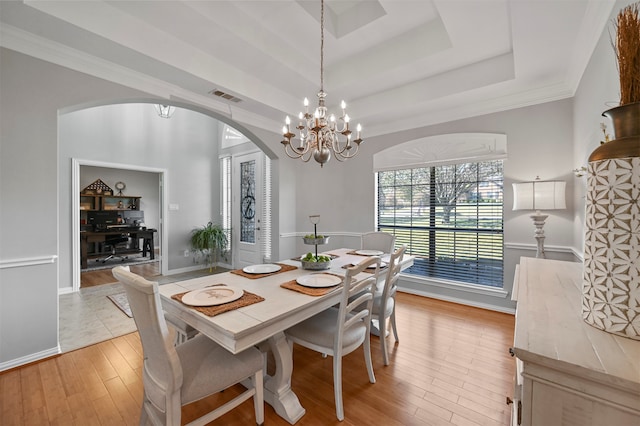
(539, 195)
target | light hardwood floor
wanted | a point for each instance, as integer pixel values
(104, 276)
(451, 367)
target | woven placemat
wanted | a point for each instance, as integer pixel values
(284, 268)
(310, 291)
(246, 300)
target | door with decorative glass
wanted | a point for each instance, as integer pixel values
(247, 209)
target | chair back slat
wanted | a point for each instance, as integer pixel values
(393, 274)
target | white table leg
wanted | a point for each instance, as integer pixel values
(277, 388)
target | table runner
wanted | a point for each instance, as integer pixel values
(284, 268)
(246, 300)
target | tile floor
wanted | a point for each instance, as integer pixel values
(88, 316)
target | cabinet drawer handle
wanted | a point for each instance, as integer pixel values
(512, 352)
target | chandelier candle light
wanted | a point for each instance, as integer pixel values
(320, 134)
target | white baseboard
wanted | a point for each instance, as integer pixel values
(197, 267)
(458, 300)
(30, 358)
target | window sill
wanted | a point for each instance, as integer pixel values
(455, 285)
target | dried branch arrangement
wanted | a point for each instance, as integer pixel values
(627, 49)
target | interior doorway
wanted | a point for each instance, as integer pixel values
(149, 181)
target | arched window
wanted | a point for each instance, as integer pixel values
(442, 196)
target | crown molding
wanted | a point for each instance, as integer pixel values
(595, 20)
(38, 47)
(550, 93)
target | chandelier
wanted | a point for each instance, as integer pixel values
(321, 133)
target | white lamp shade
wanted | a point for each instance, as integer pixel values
(539, 195)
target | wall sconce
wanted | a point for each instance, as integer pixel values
(165, 111)
(539, 195)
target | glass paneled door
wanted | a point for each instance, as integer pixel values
(247, 209)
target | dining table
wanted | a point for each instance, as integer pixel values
(274, 304)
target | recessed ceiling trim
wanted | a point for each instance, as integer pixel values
(344, 17)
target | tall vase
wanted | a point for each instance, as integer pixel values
(611, 279)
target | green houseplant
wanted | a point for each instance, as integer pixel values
(210, 241)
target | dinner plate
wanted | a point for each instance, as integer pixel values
(265, 268)
(372, 266)
(369, 252)
(319, 280)
(211, 296)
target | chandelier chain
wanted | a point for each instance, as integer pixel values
(322, 46)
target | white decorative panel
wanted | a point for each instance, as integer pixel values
(611, 287)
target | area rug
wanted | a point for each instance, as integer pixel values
(121, 301)
(96, 266)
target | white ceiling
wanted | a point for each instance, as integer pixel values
(399, 64)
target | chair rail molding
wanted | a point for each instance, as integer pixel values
(328, 234)
(556, 249)
(28, 261)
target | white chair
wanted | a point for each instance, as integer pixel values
(384, 303)
(340, 330)
(176, 376)
(377, 240)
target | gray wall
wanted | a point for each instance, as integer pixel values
(32, 93)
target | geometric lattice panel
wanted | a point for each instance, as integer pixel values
(98, 187)
(611, 281)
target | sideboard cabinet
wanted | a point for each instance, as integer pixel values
(568, 373)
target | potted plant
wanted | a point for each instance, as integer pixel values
(625, 117)
(210, 241)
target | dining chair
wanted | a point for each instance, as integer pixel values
(342, 329)
(384, 302)
(378, 240)
(174, 376)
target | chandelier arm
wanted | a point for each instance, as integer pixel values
(294, 153)
(348, 151)
(353, 151)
